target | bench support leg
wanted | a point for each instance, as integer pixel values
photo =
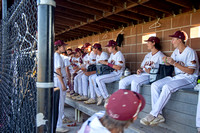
(76, 113)
(79, 114)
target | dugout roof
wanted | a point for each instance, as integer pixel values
(79, 18)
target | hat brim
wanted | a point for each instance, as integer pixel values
(146, 40)
(173, 36)
(107, 46)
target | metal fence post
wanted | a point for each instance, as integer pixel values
(4, 9)
(45, 67)
(4, 16)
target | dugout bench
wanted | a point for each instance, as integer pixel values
(180, 111)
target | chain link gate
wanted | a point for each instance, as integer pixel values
(18, 68)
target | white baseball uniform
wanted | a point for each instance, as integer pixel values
(115, 59)
(58, 63)
(84, 78)
(162, 89)
(92, 78)
(198, 113)
(136, 81)
(93, 124)
(77, 78)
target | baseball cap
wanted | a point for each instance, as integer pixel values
(82, 48)
(69, 49)
(153, 39)
(111, 43)
(59, 43)
(97, 45)
(124, 105)
(72, 53)
(86, 45)
(77, 50)
(178, 34)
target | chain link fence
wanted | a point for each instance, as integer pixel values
(18, 68)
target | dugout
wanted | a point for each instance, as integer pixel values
(81, 21)
(78, 22)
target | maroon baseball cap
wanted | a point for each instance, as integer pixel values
(86, 45)
(69, 49)
(111, 43)
(72, 53)
(153, 39)
(82, 48)
(59, 43)
(96, 45)
(178, 34)
(124, 105)
(77, 50)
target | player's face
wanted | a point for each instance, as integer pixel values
(69, 52)
(110, 49)
(62, 48)
(175, 42)
(150, 45)
(85, 50)
(95, 50)
(78, 54)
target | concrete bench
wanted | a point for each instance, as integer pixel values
(180, 111)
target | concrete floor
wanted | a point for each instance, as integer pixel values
(70, 113)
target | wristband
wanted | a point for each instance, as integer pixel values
(110, 65)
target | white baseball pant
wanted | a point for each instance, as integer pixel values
(61, 100)
(93, 86)
(77, 83)
(84, 82)
(135, 80)
(107, 78)
(198, 113)
(162, 89)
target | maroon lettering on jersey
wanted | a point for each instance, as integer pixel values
(112, 62)
(181, 63)
(193, 62)
(121, 62)
(149, 63)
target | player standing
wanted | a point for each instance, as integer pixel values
(185, 61)
(151, 60)
(60, 79)
(117, 62)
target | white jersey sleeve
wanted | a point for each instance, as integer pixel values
(120, 60)
(104, 56)
(191, 60)
(57, 61)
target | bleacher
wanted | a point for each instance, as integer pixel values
(180, 111)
